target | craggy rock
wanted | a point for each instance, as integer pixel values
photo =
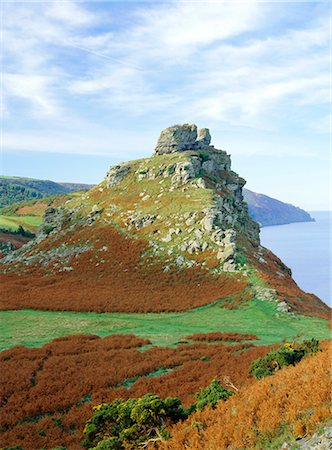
(319, 441)
(183, 173)
(176, 139)
(116, 174)
(94, 214)
(203, 139)
(179, 138)
(55, 219)
(207, 168)
(140, 222)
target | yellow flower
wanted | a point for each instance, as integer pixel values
(97, 408)
(288, 346)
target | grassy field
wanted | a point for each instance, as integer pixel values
(11, 223)
(34, 328)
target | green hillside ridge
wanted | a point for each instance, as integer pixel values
(269, 211)
(18, 189)
(265, 210)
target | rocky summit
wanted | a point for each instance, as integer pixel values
(196, 165)
(180, 210)
(181, 138)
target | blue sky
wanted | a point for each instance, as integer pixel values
(88, 84)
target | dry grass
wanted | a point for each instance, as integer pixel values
(119, 279)
(218, 336)
(297, 397)
(54, 387)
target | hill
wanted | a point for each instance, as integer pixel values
(270, 211)
(163, 248)
(19, 222)
(18, 189)
(174, 220)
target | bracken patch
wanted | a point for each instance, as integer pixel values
(296, 397)
(119, 279)
(47, 393)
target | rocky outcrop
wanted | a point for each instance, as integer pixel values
(116, 174)
(179, 138)
(205, 167)
(55, 219)
(203, 139)
(321, 440)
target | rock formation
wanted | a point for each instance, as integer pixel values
(180, 138)
(209, 168)
(185, 203)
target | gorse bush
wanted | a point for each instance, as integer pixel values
(211, 394)
(136, 421)
(131, 422)
(284, 356)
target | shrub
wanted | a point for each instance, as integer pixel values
(131, 422)
(48, 229)
(211, 394)
(284, 356)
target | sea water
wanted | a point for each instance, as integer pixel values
(305, 247)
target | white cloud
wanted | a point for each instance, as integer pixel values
(33, 88)
(69, 13)
(217, 62)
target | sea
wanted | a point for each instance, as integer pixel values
(305, 247)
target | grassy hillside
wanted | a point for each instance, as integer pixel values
(12, 223)
(29, 214)
(18, 189)
(132, 240)
(34, 328)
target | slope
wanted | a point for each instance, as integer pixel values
(289, 405)
(167, 233)
(270, 211)
(18, 189)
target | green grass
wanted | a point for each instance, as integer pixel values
(11, 223)
(34, 328)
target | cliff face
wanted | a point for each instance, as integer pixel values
(269, 211)
(171, 230)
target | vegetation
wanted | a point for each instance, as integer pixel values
(15, 223)
(134, 422)
(218, 336)
(94, 371)
(16, 189)
(127, 278)
(291, 404)
(34, 328)
(283, 356)
(211, 394)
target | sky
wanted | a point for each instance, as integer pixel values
(87, 84)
